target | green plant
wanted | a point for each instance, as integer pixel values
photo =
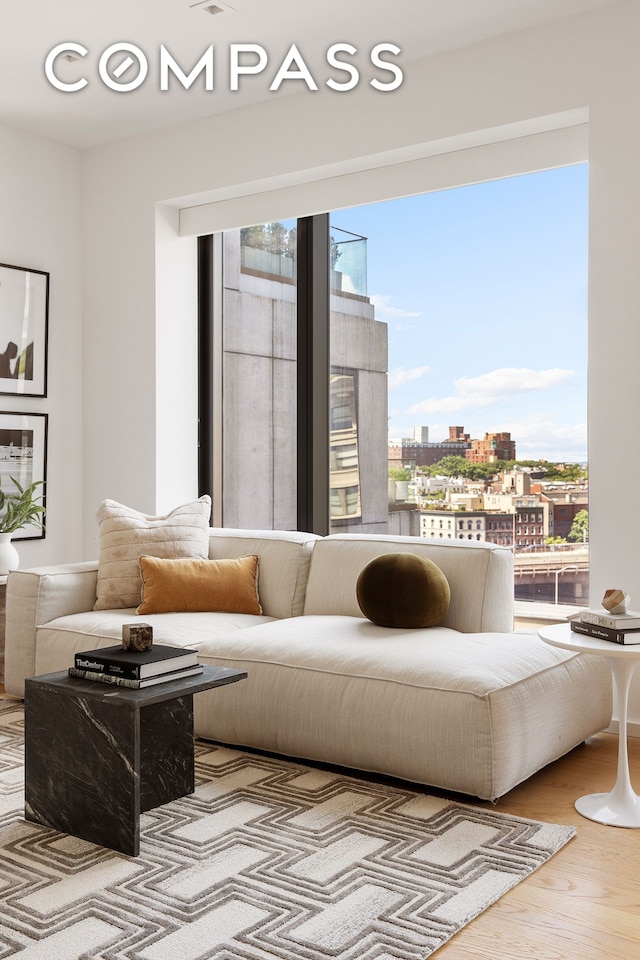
(20, 508)
(400, 473)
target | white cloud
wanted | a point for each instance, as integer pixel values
(492, 388)
(540, 436)
(400, 376)
(386, 312)
(510, 380)
(447, 405)
(538, 423)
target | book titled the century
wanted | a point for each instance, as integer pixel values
(135, 664)
(614, 621)
(134, 684)
(605, 633)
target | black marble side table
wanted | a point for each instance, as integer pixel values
(97, 755)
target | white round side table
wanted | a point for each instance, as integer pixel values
(621, 806)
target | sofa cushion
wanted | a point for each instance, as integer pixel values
(183, 585)
(284, 563)
(480, 577)
(476, 713)
(58, 640)
(126, 534)
(403, 590)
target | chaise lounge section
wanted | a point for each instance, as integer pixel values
(467, 706)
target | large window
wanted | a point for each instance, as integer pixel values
(452, 330)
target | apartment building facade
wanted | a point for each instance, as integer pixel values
(259, 369)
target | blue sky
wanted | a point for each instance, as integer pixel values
(484, 290)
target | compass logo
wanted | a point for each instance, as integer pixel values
(124, 67)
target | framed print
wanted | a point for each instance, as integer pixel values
(24, 320)
(23, 457)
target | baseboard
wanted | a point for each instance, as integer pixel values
(633, 728)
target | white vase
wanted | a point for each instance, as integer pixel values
(9, 558)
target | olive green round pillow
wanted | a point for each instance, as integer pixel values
(403, 590)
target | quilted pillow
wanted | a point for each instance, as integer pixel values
(403, 590)
(181, 586)
(126, 535)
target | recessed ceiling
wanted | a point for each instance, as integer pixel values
(96, 114)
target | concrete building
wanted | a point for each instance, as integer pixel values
(467, 500)
(259, 371)
(517, 481)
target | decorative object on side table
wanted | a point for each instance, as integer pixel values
(615, 601)
(612, 621)
(605, 633)
(137, 636)
(135, 668)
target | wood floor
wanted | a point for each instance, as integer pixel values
(584, 904)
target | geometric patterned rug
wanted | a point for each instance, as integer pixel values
(267, 859)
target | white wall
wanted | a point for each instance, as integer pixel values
(40, 228)
(279, 154)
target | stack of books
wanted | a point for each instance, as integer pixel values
(617, 628)
(135, 669)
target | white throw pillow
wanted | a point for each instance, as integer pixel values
(126, 535)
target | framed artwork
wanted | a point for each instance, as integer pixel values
(24, 319)
(23, 457)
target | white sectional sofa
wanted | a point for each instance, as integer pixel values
(468, 706)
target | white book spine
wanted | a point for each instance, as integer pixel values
(629, 622)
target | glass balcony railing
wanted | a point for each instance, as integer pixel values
(348, 262)
(269, 250)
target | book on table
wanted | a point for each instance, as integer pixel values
(135, 664)
(132, 684)
(614, 621)
(605, 633)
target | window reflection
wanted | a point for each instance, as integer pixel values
(344, 478)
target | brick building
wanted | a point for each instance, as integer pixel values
(495, 446)
(419, 452)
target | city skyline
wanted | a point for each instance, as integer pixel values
(484, 292)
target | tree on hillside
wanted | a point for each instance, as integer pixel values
(565, 472)
(449, 467)
(456, 466)
(580, 527)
